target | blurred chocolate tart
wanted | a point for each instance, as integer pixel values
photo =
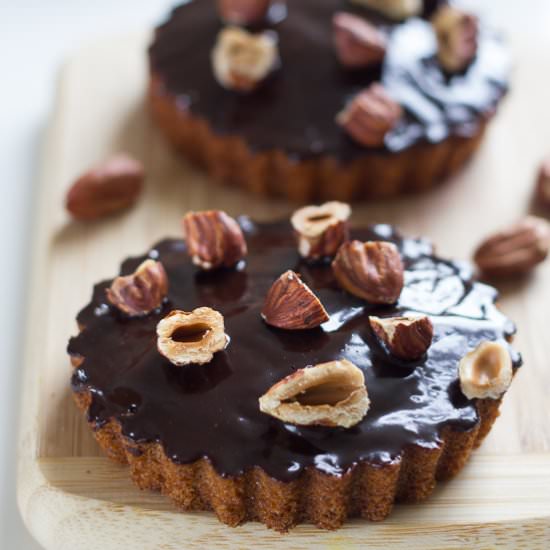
(277, 104)
(291, 372)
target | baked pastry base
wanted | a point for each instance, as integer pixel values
(229, 160)
(366, 490)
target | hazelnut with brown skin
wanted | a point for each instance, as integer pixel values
(243, 12)
(542, 191)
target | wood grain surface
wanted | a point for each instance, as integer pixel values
(72, 497)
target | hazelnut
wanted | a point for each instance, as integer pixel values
(328, 394)
(358, 42)
(112, 186)
(405, 337)
(516, 250)
(141, 292)
(291, 305)
(320, 230)
(191, 338)
(372, 270)
(370, 115)
(486, 371)
(213, 239)
(394, 9)
(243, 12)
(542, 194)
(242, 60)
(457, 33)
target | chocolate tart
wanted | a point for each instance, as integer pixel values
(197, 434)
(283, 139)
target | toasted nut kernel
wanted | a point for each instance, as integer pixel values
(290, 304)
(242, 60)
(328, 394)
(486, 371)
(141, 292)
(372, 270)
(542, 195)
(516, 250)
(213, 239)
(394, 9)
(405, 337)
(191, 338)
(457, 33)
(370, 116)
(243, 12)
(358, 42)
(320, 230)
(106, 189)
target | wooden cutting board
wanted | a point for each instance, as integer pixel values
(72, 497)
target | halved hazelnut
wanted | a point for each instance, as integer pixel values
(358, 42)
(328, 394)
(320, 230)
(243, 12)
(186, 338)
(213, 239)
(141, 292)
(242, 60)
(457, 33)
(486, 371)
(394, 9)
(405, 337)
(370, 115)
(290, 304)
(372, 270)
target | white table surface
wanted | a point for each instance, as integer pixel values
(35, 37)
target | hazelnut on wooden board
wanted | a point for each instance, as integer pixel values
(405, 337)
(110, 187)
(358, 42)
(542, 192)
(320, 230)
(486, 371)
(213, 239)
(328, 394)
(290, 304)
(370, 115)
(186, 338)
(242, 60)
(394, 9)
(141, 292)
(372, 270)
(243, 12)
(457, 37)
(516, 250)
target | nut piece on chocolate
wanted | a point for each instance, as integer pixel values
(486, 371)
(358, 42)
(394, 9)
(141, 292)
(370, 116)
(405, 337)
(457, 34)
(290, 304)
(191, 338)
(516, 250)
(213, 239)
(320, 230)
(372, 271)
(242, 60)
(108, 188)
(328, 394)
(243, 12)
(542, 193)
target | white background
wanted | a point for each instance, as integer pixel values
(35, 37)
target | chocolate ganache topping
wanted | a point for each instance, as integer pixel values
(295, 109)
(212, 411)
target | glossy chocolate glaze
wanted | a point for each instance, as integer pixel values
(294, 110)
(212, 410)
